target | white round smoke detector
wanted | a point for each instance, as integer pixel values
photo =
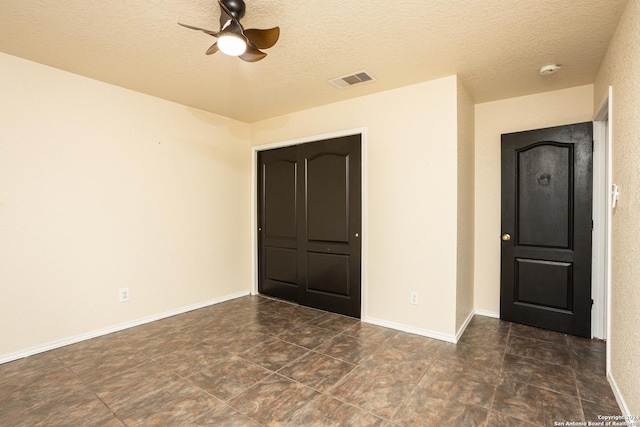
(549, 69)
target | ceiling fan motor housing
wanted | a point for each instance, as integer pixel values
(235, 7)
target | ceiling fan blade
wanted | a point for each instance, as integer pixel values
(252, 54)
(262, 39)
(213, 49)
(211, 33)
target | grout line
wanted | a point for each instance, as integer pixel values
(415, 387)
(247, 388)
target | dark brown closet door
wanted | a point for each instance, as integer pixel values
(310, 224)
(277, 224)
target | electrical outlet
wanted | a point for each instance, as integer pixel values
(123, 295)
(414, 298)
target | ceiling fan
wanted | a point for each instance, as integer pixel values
(233, 39)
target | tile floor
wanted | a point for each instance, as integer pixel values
(255, 361)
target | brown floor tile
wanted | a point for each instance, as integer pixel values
(191, 358)
(226, 417)
(33, 391)
(328, 412)
(413, 343)
(541, 350)
(456, 383)
(249, 301)
(349, 349)
(317, 371)
(104, 354)
(489, 324)
(272, 325)
(160, 345)
(117, 390)
(180, 403)
(375, 390)
(101, 381)
(472, 357)
(592, 362)
(404, 364)
(273, 354)
(175, 355)
(228, 378)
(593, 410)
(260, 315)
(538, 334)
(29, 366)
(535, 405)
(212, 329)
(276, 306)
(144, 341)
(595, 388)
(482, 335)
(586, 345)
(423, 410)
(308, 336)
(308, 315)
(82, 408)
(227, 314)
(273, 400)
(496, 419)
(236, 341)
(369, 331)
(335, 322)
(560, 378)
(114, 366)
(300, 314)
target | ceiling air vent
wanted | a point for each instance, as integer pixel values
(352, 79)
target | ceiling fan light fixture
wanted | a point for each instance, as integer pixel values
(233, 39)
(232, 44)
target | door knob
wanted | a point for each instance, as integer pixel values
(506, 237)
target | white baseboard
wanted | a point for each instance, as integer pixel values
(486, 313)
(464, 325)
(616, 392)
(112, 329)
(411, 330)
(431, 334)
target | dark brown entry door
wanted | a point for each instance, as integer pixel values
(309, 222)
(546, 226)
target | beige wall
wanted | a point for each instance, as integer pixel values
(466, 207)
(547, 109)
(621, 69)
(102, 188)
(410, 193)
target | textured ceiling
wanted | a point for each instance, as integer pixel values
(495, 46)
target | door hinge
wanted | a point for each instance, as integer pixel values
(591, 225)
(592, 303)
